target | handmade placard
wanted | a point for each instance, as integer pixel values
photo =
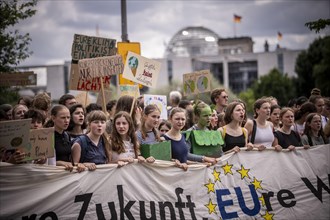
(141, 70)
(160, 101)
(197, 82)
(18, 79)
(84, 47)
(14, 134)
(131, 90)
(101, 66)
(41, 144)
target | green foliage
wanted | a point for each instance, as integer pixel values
(13, 45)
(318, 25)
(249, 99)
(313, 67)
(275, 84)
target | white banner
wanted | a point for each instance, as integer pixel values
(245, 185)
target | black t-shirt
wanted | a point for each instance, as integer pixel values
(62, 147)
(285, 140)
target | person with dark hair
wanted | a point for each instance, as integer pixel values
(68, 100)
(38, 118)
(130, 105)
(219, 98)
(300, 101)
(187, 105)
(7, 108)
(313, 133)
(234, 135)
(275, 116)
(292, 103)
(111, 108)
(25, 100)
(92, 107)
(77, 121)
(300, 116)
(260, 130)
(164, 127)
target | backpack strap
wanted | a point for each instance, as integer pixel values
(254, 130)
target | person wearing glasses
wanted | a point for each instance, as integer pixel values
(219, 98)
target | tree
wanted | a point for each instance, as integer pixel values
(13, 45)
(275, 84)
(313, 67)
(318, 25)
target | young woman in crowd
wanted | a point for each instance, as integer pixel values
(275, 116)
(214, 125)
(77, 121)
(60, 117)
(313, 133)
(318, 101)
(234, 135)
(300, 117)
(285, 136)
(38, 118)
(202, 115)
(164, 127)
(177, 118)
(123, 140)
(149, 134)
(19, 111)
(92, 148)
(125, 103)
(260, 130)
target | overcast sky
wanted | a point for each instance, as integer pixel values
(154, 22)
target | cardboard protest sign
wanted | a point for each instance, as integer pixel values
(131, 90)
(197, 82)
(101, 66)
(160, 101)
(18, 79)
(141, 70)
(14, 134)
(90, 46)
(41, 144)
(84, 47)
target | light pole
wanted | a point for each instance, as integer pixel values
(124, 35)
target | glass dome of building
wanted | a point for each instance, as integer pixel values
(193, 41)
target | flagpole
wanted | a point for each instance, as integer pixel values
(234, 29)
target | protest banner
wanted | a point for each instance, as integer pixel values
(160, 101)
(141, 70)
(41, 144)
(131, 90)
(14, 133)
(197, 82)
(84, 47)
(18, 79)
(244, 185)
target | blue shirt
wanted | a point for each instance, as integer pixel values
(179, 149)
(93, 154)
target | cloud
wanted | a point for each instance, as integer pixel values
(153, 23)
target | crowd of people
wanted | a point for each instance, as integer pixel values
(87, 136)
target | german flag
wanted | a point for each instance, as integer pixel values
(237, 18)
(279, 35)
